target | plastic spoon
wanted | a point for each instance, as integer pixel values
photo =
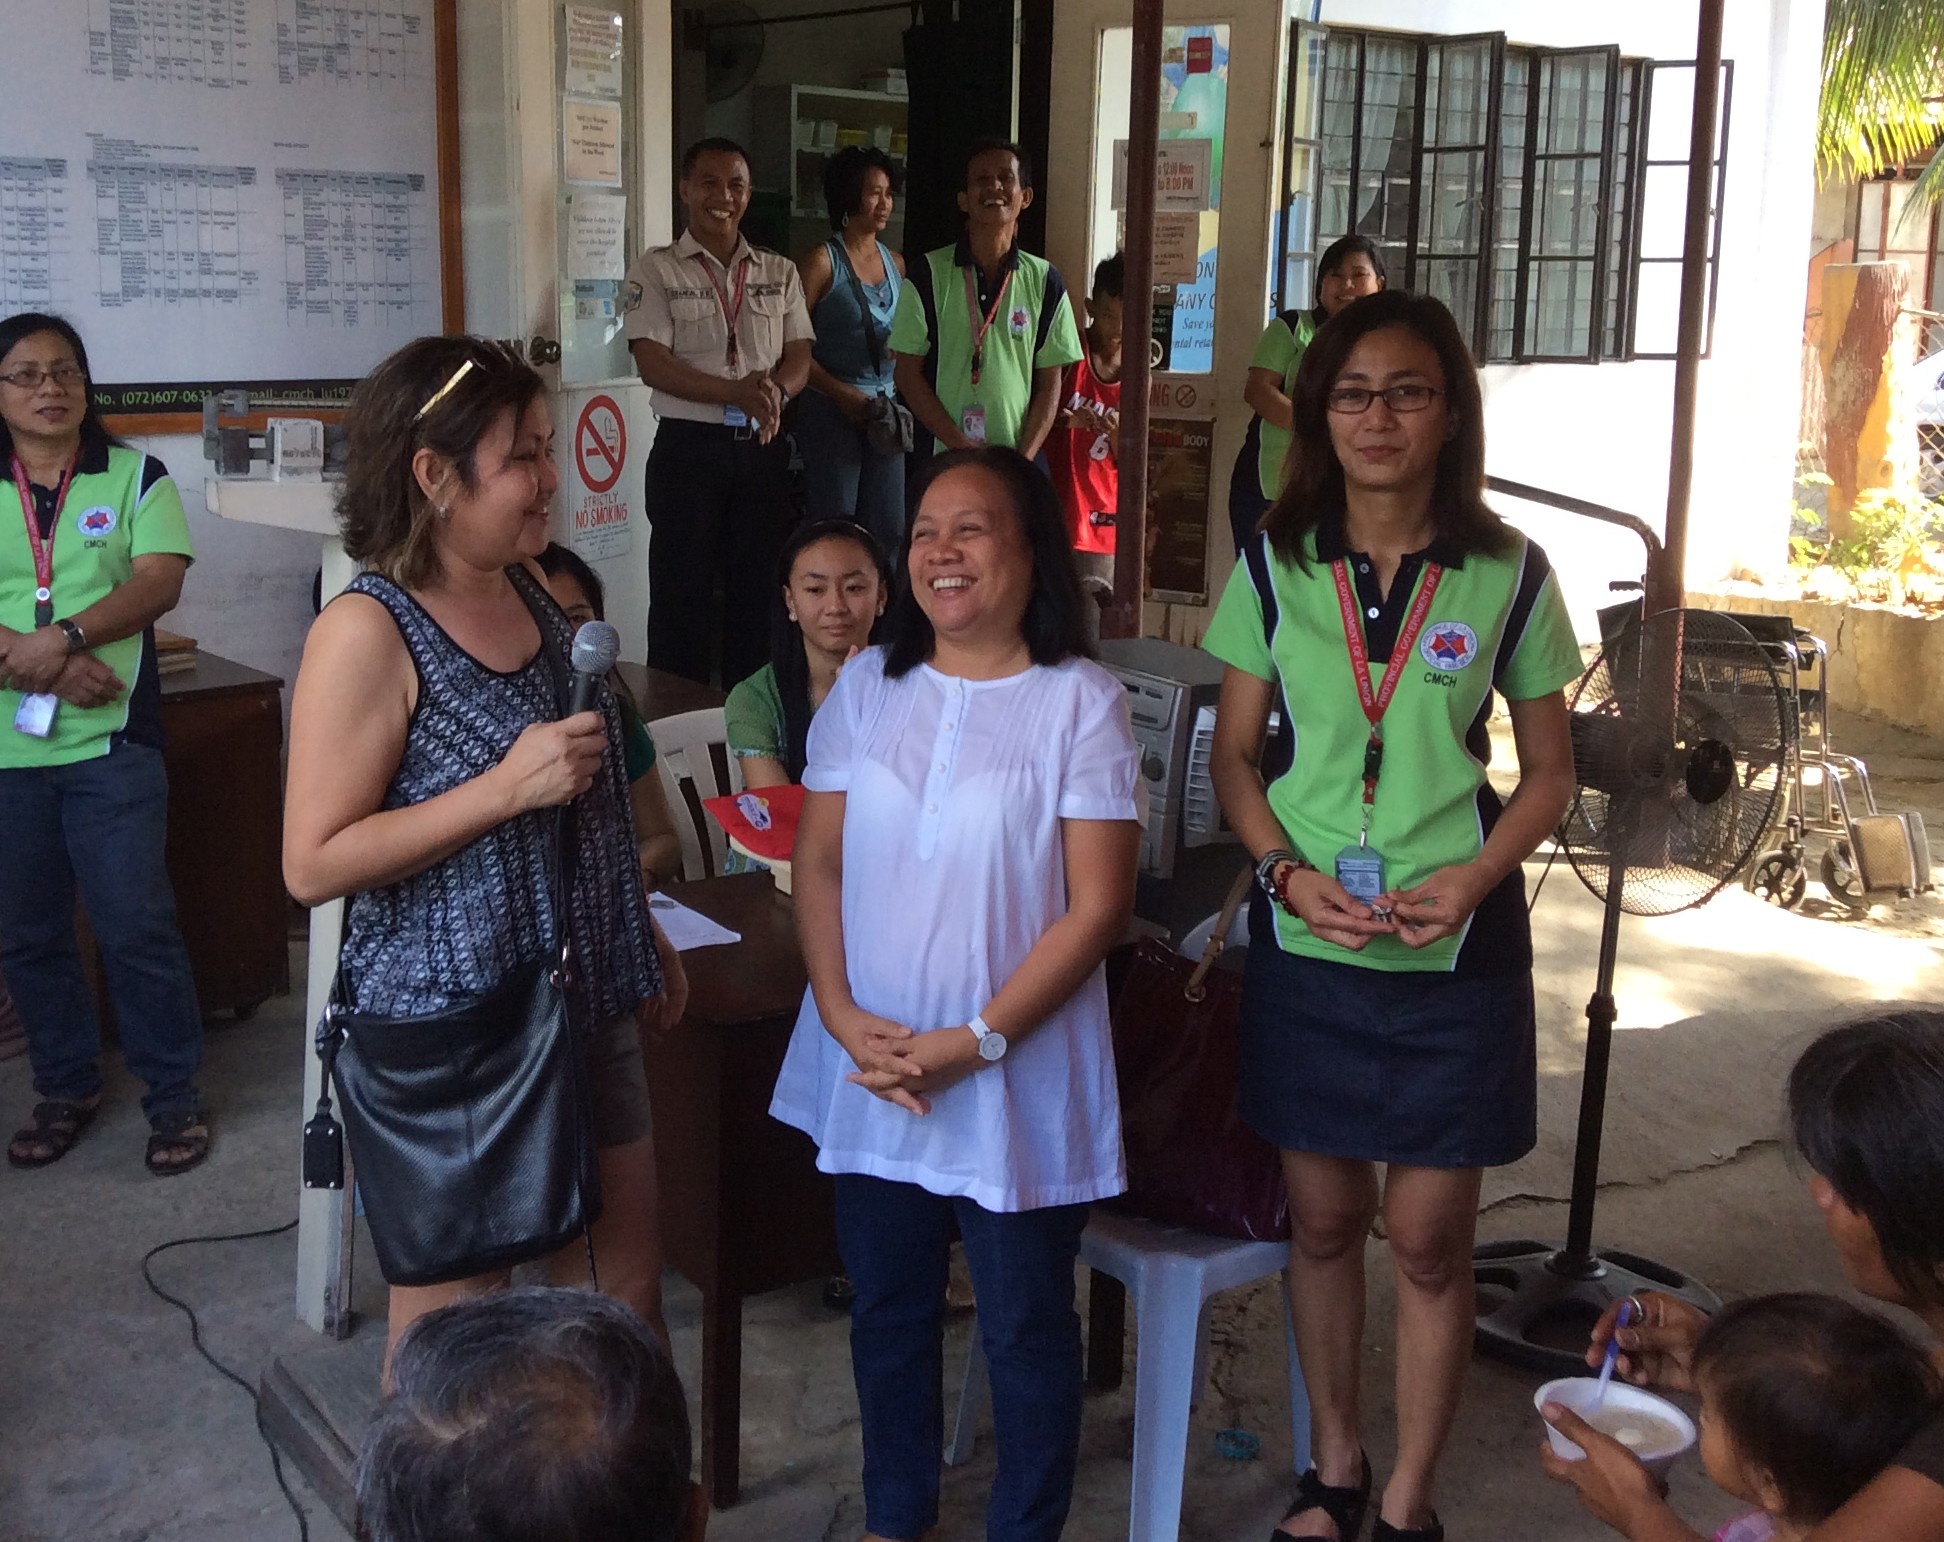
(1612, 1353)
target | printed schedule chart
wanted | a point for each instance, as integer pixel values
(221, 191)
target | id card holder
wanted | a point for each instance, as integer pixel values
(35, 716)
(972, 423)
(1361, 872)
(734, 417)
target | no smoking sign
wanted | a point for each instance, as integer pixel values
(600, 444)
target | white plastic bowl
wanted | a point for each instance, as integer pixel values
(1579, 1392)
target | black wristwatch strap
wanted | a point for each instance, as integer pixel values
(77, 640)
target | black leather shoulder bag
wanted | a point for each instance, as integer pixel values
(469, 1130)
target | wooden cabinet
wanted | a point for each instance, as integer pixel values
(225, 757)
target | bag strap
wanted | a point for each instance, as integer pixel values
(1196, 989)
(871, 344)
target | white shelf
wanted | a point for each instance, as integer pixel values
(309, 506)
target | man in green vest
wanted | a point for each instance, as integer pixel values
(983, 329)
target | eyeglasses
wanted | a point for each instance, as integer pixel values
(32, 377)
(1351, 400)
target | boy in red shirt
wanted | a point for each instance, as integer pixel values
(1080, 452)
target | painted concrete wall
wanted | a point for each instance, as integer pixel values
(1596, 431)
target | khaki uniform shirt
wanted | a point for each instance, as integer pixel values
(672, 298)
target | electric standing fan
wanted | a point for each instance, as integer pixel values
(1679, 743)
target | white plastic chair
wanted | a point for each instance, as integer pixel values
(1170, 1273)
(693, 759)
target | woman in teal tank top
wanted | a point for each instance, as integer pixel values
(851, 285)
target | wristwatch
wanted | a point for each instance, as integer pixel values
(77, 640)
(1265, 870)
(992, 1044)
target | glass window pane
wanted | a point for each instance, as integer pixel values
(1511, 198)
(1559, 323)
(1194, 105)
(1663, 212)
(1657, 308)
(1453, 280)
(1671, 124)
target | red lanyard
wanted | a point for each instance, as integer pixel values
(730, 315)
(972, 311)
(1377, 702)
(42, 548)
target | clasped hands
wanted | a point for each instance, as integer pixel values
(902, 1066)
(36, 661)
(761, 400)
(1417, 916)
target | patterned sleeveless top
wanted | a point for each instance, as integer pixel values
(460, 927)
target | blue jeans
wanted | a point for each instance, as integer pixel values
(100, 823)
(844, 478)
(896, 1242)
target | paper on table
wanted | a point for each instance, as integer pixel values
(687, 928)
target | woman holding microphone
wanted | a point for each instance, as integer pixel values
(1387, 1015)
(427, 760)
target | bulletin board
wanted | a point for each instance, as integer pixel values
(225, 193)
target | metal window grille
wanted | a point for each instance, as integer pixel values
(1294, 261)
(1667, 112)
(1571, 114)
(1539, 192)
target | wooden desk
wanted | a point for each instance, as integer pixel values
(224, 725)
(660, 694)
(743, 1207)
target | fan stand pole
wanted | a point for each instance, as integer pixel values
(1556, 1293)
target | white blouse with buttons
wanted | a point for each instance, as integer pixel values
(953, 870)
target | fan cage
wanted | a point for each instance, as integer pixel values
(1681, 738)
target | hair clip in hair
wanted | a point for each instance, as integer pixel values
(465, 368)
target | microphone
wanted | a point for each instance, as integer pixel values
(596, 646)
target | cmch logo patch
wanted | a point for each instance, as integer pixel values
(95, 522)
(1449, 645)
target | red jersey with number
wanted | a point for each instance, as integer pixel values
(1085, 472)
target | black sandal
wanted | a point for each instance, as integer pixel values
(185, 1132)
(57, 1126)
(1344, 1505)
(1384, 1531)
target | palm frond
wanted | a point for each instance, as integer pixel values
(1882, 87)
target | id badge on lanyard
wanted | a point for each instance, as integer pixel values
(1360, 868)
(42, 547)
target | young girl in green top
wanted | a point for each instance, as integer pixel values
(834, 583)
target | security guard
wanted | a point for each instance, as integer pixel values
(720, 333)
(983, 330)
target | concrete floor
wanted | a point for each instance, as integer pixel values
(113, 1430)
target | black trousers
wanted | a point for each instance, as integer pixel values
(718, 506)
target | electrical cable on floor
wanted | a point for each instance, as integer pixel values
(195, 1338)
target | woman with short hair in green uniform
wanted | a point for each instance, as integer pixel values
(833, 583)
(1350, 268)
(93, 548)
(1387, 1013)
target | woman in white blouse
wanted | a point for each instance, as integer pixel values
(971, 823)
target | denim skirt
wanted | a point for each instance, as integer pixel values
(1422, 1069)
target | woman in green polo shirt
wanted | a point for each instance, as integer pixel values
(834, 583)
(1349, 268)
(1387, 1006)
(93, 547)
